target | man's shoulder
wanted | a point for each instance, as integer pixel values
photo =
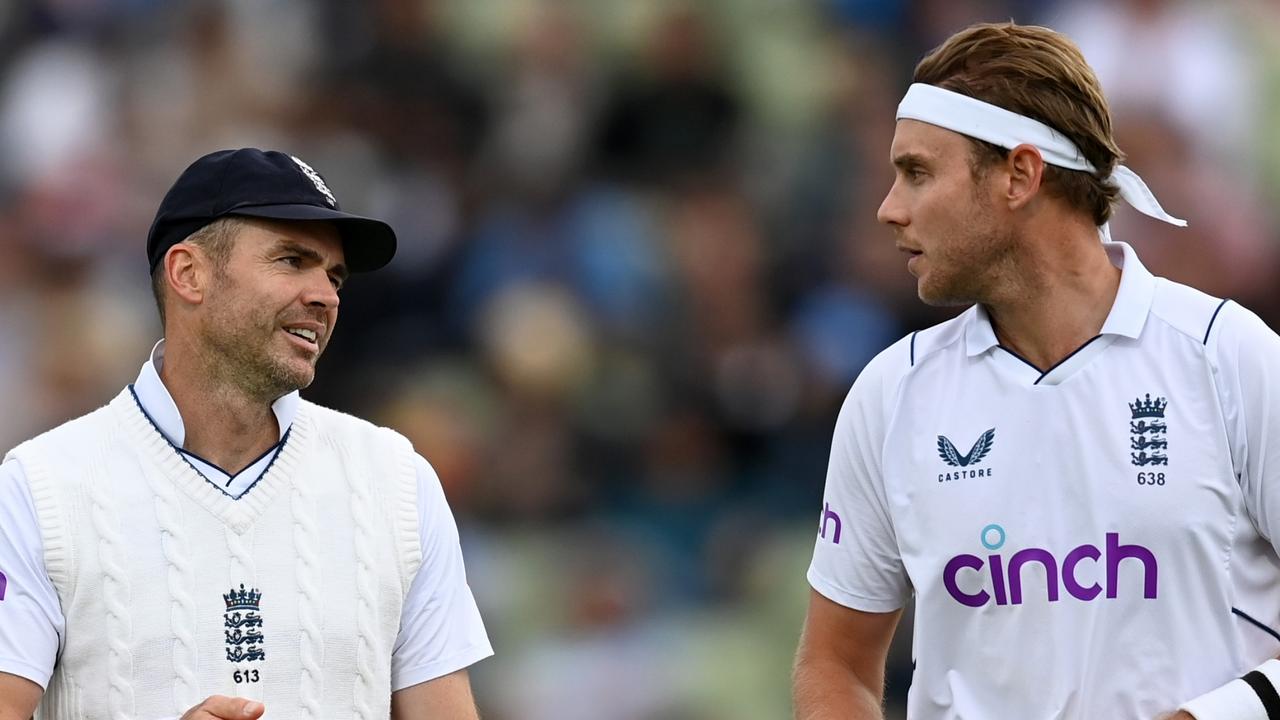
(1219, 324)
(1239, 338)
(1192, 312)
(934, 340)
(893, 364)
(912, 350)
(335, 424)
(72, 436)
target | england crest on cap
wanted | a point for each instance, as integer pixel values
(316, 180)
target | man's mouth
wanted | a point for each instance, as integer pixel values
(308, 335)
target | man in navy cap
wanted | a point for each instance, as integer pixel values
(210, 545)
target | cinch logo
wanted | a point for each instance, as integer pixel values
(829, 516)
(1006, 585)
(4, 584)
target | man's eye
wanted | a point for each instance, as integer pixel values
(292, 260)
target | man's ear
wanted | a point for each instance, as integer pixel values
(1026, 171)
(186, 270)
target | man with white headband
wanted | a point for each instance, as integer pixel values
(1075, 478)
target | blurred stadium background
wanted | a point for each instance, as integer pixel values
(639, 267)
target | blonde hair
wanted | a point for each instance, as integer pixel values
(1039, 73)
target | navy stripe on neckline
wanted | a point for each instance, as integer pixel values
(230, 475)
(1264, 628)
(1212, 320)
(1028, 362)
(182, 453)
(279, 449)
(1058, 364)
(913, 347)
(1055, 366)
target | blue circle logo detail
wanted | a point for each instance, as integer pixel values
(986, 533)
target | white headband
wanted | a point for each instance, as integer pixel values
(984, 121)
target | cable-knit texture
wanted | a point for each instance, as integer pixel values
(322, 536)
(408, 541)
(310, 641)
(366, 620)
(61, 698)
(239, 547)
(59, 551)
(116, 592)
(181, 578)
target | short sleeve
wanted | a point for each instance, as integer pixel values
(1248, 369)
(31, 620)
(440, 626)
(856, 561)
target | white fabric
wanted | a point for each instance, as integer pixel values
(440, 627)
(1236, 700)
(982, 120)
(164, 413)
(142, 551)
(1233, 701)
(31, 622)
(1271, 669)
(1059, 480)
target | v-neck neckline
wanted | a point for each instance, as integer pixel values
(238, 513)
(1060, 372)
(1125, 319)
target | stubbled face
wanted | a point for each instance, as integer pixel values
(959, 244)
(270, 313)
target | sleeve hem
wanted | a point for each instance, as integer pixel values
(25, 670)
(850, 600)
(408, 677)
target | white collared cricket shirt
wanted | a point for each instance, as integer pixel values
(1094, 540)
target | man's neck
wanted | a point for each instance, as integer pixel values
(223, 425)
(1060, 301)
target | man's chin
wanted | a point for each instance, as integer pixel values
(301, 380)
(292, 376)
(941, 295)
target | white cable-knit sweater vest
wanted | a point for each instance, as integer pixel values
(174, 591)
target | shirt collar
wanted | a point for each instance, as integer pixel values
(158, 403)
(1128, 313)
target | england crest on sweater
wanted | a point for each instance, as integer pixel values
(242, 625)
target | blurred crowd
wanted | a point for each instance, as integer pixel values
(639, 267)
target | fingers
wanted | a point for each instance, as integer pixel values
(221, 707)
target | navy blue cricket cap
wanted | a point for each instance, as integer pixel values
(265, 184)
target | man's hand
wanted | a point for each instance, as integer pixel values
(220, 707)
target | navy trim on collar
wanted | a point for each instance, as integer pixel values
(183, 453)
(1128, 313)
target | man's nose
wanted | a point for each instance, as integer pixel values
(891, 211)
(320, 291)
